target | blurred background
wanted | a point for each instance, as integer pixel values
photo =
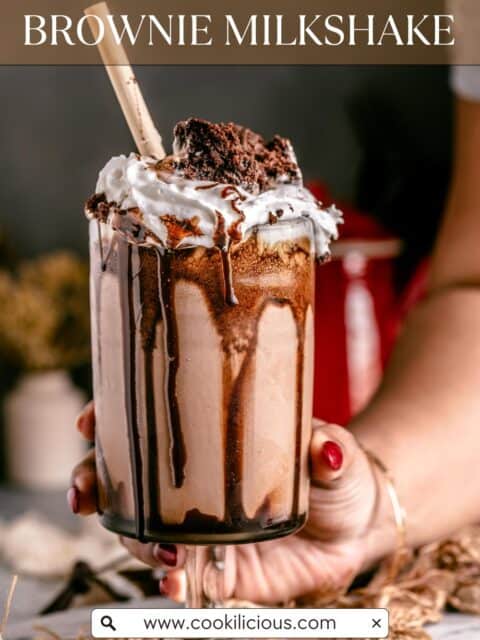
(377, 140)
(59, 126)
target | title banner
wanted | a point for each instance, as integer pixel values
(41, 32)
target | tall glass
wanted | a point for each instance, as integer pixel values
(203, 383)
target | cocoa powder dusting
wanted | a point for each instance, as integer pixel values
(286, 266)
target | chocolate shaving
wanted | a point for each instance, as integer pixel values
(272, 218)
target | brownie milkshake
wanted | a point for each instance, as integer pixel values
(202, 282)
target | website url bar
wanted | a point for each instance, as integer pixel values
(240, 623)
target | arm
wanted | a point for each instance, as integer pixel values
(424, 422)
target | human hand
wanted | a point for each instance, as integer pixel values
(321, 560)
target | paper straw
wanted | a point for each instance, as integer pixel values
(127, 90)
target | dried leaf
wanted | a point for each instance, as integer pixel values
(436, 576)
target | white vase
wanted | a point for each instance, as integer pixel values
(42, 443)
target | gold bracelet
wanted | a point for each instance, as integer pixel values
(399, 514)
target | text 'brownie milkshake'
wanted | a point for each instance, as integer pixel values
(202, 284)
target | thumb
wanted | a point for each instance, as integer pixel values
(333, 453)
(344, 491)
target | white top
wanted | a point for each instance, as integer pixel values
(133, 183)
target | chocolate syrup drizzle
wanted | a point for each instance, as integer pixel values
(178, 456)
(129, 333)
(230, 297)
(234, 421)
(299, 431)
(151, 315)
(103, 264)
(155, 282)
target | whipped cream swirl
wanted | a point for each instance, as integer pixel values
(165, 208)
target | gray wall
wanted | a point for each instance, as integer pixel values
(58, 126)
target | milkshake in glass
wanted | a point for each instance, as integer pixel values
(202, 285)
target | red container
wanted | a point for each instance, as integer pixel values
(357, 315)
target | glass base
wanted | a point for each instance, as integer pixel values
(206, 573)
(220, 534)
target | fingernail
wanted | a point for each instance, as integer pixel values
(73, 499)
(163, 586)
(166, 553)
(332, 455)
(79, 421)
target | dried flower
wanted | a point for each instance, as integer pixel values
(418, 596)
(438, 576)
(44, 322)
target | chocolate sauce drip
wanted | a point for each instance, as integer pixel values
(237, 197)
(129, 333)
(234, 431)
(107, 493)
(230, 297)
(152, 442)
(223, 243)
(299, 430)
(238, 327)
(234, 512)
(111, 499)
(107, 255)
(151, 314)
(98, 304)
(104, 256)
(100, 244)
(206, 187)
(178, 455)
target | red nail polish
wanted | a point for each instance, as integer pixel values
(79, 422)
(163, 586)
(332, 455)
(166, 553)
(73, 499)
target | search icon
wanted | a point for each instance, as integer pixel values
(107, 622)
